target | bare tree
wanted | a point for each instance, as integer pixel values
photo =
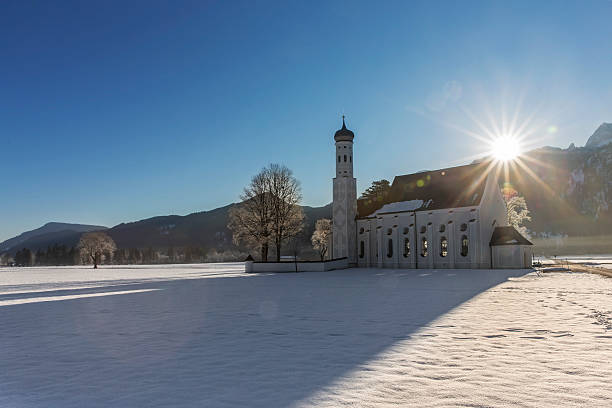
(285, 195)
(269, 212)
(518, 213)
(320, 236)
(93, 244)
(250, 221)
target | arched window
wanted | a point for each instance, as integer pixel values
(361, 230)
(390, 248)
(338, 159)
(463, 227)
(464, 245)
(443, 247)
(424, 246)
(361, 249)
(423, 229)
(345, 158)
(442, 228)
(389, 231)
(406, 230)
(406, 247)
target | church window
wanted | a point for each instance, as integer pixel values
(424, 248)
(423, 229)
(443, 247)
(406, 247)
(345, 158)
(463, 227)
(464, 245)
(390, 248)
(442, 228)
(361, 249)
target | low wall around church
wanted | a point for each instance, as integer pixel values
(299, 266)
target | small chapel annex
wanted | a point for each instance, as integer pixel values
(448, 218)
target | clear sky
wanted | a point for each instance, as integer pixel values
(114, 111)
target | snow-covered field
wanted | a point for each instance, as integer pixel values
(211, 336)
(603, 261)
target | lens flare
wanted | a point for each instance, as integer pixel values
(505, 148)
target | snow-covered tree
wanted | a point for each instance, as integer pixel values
(320, 236)
(518, 213)
(93, 245)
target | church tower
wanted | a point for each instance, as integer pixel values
(345, 198)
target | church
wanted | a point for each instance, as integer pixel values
(441, 219)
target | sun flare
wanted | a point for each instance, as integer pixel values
(505, 148)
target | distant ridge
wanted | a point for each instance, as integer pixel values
(601, 137)
(48, 234)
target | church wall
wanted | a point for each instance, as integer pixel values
(406, 231)
(493, 214)
(433, 226)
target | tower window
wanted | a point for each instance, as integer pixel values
(345, 158)
(338, 159)
(351, 159)
(443, 247)
(361, 249)
(390, 248)
(465, 242)
(406, 247)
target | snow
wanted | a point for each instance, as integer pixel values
(603, 261)
(411, 205)
(211, 335)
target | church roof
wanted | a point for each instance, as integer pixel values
(344, 135)
(453, 187)
(507, 236)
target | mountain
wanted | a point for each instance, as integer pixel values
(48, 234)
(601, 137)
(569, 191)
(206, 229)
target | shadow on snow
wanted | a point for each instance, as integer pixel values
(259, 340)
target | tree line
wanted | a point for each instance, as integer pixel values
(62, 255)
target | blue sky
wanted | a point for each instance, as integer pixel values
(119, 111)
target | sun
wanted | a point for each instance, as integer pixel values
(505, 148)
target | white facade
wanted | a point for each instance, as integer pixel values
(445, 238)
(511, 256)
(344, 208)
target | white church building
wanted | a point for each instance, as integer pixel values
(448, 218)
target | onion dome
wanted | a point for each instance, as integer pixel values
(344, 135)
